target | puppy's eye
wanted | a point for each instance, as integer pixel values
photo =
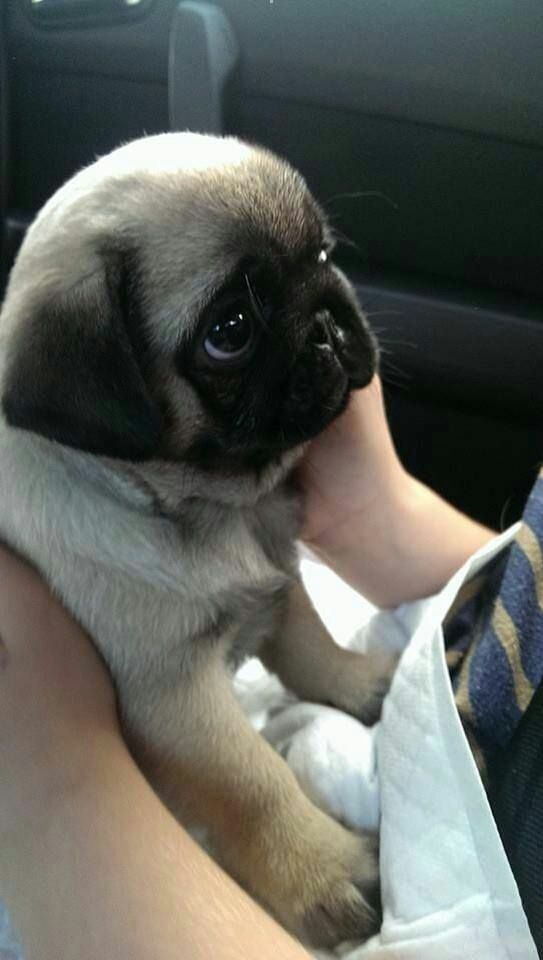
(231, 334)
(323, 255)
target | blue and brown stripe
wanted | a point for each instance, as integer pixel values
(494, 635)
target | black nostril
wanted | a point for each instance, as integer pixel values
(320, 334)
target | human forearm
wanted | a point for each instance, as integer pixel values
(403, 546)
(91, 863)
(104, 870)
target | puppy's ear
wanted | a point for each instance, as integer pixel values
(73, 375)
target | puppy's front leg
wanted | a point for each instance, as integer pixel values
(212, 769)
(312, 665)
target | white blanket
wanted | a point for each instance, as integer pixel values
(448, 891)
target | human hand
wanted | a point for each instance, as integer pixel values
(350, 471)
(382, 530)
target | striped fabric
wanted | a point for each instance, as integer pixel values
(494, 636)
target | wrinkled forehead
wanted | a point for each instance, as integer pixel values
(258, 210)
(257, 206)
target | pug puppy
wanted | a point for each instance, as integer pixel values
(173, 334)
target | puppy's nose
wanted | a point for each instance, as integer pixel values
(320, 332)
(325, 334)
(354, 351)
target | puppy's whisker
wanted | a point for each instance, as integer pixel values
(364, 195)
(343, 240)
(394, 375)
(383, 313)
(385, 344)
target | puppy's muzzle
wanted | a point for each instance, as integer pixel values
(355, 349)
(333, 363)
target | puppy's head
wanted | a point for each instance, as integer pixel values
(177, 301)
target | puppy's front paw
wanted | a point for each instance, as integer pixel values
(349, 907)
(330, 885)
(379, 670)
(362, 683)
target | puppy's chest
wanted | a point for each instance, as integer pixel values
(238, 553)
(218, 576)
(250, 560)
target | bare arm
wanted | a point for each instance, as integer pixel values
(91, 863)
(389, 536)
